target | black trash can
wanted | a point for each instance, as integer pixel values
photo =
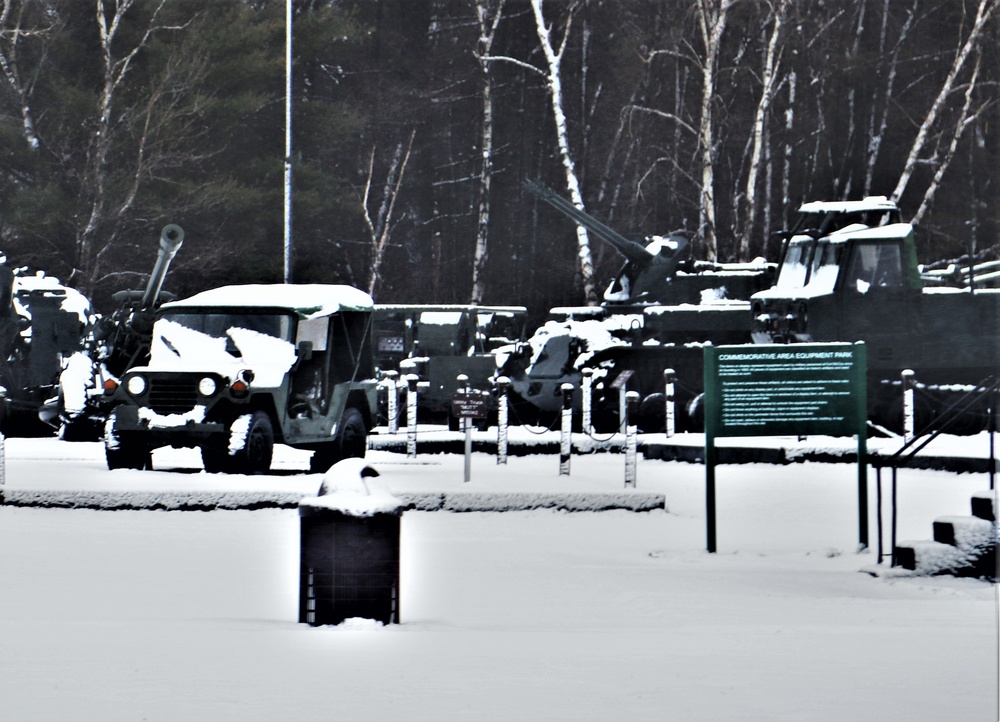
(349, 564)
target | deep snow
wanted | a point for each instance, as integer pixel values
(168, 615)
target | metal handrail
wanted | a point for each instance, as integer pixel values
(983, 390)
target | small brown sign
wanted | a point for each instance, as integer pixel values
(470, 405)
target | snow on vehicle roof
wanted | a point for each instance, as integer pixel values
(871, 203)
(305, 300)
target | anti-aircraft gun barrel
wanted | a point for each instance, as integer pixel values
(171, 238)
(632, 250)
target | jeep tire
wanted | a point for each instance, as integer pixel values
(254, 457)
(127, 454)
(351, 443)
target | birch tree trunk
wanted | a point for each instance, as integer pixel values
(13, 31)
(553, 59)
(964, 119)
(712, 17)
(380, 227)
(984, 11)
(488, 19)
(876, 135)
(763, 107)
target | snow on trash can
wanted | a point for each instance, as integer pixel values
(349, 563)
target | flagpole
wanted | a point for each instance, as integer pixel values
(288, 142)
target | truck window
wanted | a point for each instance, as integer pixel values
(795, 266)
(875, 265)
(825, 267)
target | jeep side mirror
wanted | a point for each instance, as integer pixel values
(304, 350)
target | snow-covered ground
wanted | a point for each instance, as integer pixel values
(614, 615)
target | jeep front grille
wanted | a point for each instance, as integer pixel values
(172, 396)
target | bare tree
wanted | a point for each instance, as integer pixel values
(965, 118)
(380, 226)
(768, 82)
(488, 16)
(553, 80)
(712, 18)
(115, 64)
(19, 22)
(984, 11)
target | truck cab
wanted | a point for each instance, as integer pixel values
(863, 284)
(237, 369)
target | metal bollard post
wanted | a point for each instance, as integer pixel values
(566, 431)
(503, 383)
(622, 411)
(908, 408)
(392, 401)
(668, 391)
(586, 400)
(411, 415)
(631, 436)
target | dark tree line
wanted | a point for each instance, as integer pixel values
(415, 123)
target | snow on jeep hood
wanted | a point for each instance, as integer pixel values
(176, 347)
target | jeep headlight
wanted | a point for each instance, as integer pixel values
(136, 385)
(207, 386)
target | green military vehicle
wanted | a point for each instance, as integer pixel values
(237, 369)
(437, 342)
(861, 283)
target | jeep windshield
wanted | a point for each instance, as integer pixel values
(217, 337)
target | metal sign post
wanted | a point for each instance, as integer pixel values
(467, 405)
(620, 383)
(782, 390)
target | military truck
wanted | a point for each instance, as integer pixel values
(235, 370)
(864, 284)
(437, 342)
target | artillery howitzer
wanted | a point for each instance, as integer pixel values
(115, 344)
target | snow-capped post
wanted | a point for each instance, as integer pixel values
(586, 394)
(668, 391)
(503, 383)
(566, 431)
(411, 415)
(631, 436)
(463, 383)
(908, 409)
(391, 386)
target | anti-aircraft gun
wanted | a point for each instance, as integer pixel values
(116, 343)
(657, 313)
(659, 270)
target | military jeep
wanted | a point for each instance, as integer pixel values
(237, 369)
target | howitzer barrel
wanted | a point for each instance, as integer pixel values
(171, 238)
(633, 251)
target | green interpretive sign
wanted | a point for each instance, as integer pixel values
(786, 390)
(781, 390)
